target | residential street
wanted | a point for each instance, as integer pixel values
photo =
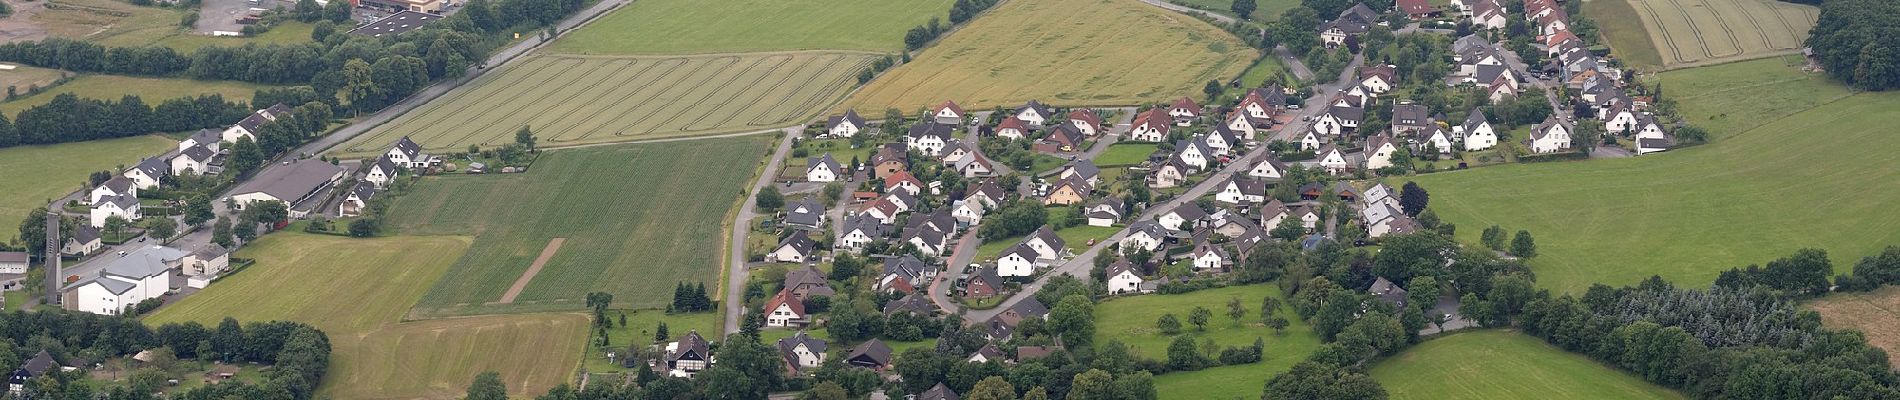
(736, 272)
(1293, 63)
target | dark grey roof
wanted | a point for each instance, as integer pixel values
(811, 214)
(989, 352)
(154, 167)
(871, 226)
(40, 364)
(384, 164)
(916, 303)
(1041, 109)
(1388, 292)
(800, 242)
(1150, 228)
(1474, 120)
(1652, 143)
(872, 352)
(118, 184)
(931, 128)
(989, 189)
(1047, 235)
(1022, 249)
(939, 392)
(276, 110)
(787, 346)
(210, 250)
(825, 160)
(407, 147)
(1249, 186)
(207, 136)
(290, 182)
(1029, 307)
(395, 24)
(1360, 11)
(364, 191)
(1410, 114)
(86, 234)
(1116, 268)
(13, 257)
(143, 262)
(1489, 73)
(807, 276)
(1348, 113)
(691, 344)
(1189, 211)
(250, 123)
(849, 115)
(907, 266)
(198, 153)
(124, 201)
(1542, 129)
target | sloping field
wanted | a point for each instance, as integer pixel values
(1876, 314)
(1066, 52)
(637, 218)
(1703, 32)
(150, 90)
(572, 100)
(1131, 320)
(730, 26)
(1792, 179)
(1495, 364)
(358, 290)
(36, 175)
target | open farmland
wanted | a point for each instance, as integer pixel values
(636, 220)
(1622, 28)
(36, 175)
(1703, 32)
(699, 27)
(572, 100)
(1876, 314)
(358, 291)
(151, 90)
(1066, 52)
(1790, 176)
(1494, 364)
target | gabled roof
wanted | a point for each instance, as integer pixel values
(1155, 118)
(871, 226)
(384, 164)
(1119, 266)
(989, 189)
(915, 303)
(1387, 291)
(1048, 236)
(808, 276)
(692, 343)
(897, 179)
(1041, 109)
(1187, 104)
(787, 347)
(1248, 186)
(1020, 249)
(891, 152)
(1416, 7)
(13, 257)
(849, 116)
(1417, 114)
(143, 262)
(86, 234)
(1084, 168)
(1029, 307)
(871, 350)
(1348, 113)
(1360, 11)
(1086, 115)
(153, 167)
(826, 161)
(989, 352)
(952, 105)
(1273, 208)
(1013, 123)
(1149, 228)
(40, 364)
(118, 184)
(364, 191)
(907, 266)
(123, 201)
(1475, 119)
(1374, 142)
(1189, 211)
(799, 242)
(206, 136)
(1065, 134)
(810, 217)
(197, 153)
(939, 392)
(210, 250)
(290, 182)
(1388, 72)
(407, 147)
(784, 298)
(1543, 129)
(931, 128)
(1488, 73)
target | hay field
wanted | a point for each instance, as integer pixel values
(573, 100)
(1703, 32)
(699, 26)
(358, 292)
(638, 218)
(1066, 52)
(1497, 364)
(36, 175)
(1875, 313)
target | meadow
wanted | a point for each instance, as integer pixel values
(113, 87)
(731, 26)
(1496, 364)
(1065, 52)
(1622, 29)
(637, 219)
(1131, 320)
(1877, 314)
(38, 174)
(1703, 32)
(573, 100)
(1792, 175)
(358, 292)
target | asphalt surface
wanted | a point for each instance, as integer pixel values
(736, 272)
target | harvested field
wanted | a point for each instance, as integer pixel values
(1065, 52)
(1702, 32)
(573, 100)
(699, 26)
(1875, 313)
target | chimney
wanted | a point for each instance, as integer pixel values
(51, 262)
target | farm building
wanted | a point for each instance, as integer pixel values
(12, 262)
(292, 183)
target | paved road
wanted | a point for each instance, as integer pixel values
(961, 258)
(1293, 63)
(736, 272)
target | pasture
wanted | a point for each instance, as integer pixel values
(1622, 29)
(151, 90)
(1064, 52)
(358, 292)
(38, 174)
(1498, 364)
(1703, 32)
(732, 26)
(574, 100)
(637, 219)
(1876, 314)
(1131, 320)
(1790, 175)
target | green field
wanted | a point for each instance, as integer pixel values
(1797, 177)
(1622, 29)
(1494, 364)
(637, 219)
(38, 174)
(1063, 52)
(1264, 10)
(1075, 238)
(1124, 154)
(1775, 87)
(107, 22)
(151, 90)
(572, 100)
(358, 291)
(22, 77)
(287, 32)
(731, 26)
(1131, 320)
(1704, 32)
(640, 328)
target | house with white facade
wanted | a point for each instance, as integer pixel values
(844, 126)
(126, 280)
(1476, 132)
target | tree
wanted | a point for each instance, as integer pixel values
(1413, 198)
(992, 388)
(525, 138)
(1310, 380)
(1168, 324)
(659, 333)
(1278, 323)
(1093, 384)
(1074, 320)
(487, 386)
(768, 198)
(115, 226)
(1243, 8)
(1184, 356)
(1213, 87)
(1523, 246)
(221, 233)
(1493, 238)
(826, 391)
(162, 228)
(1290, 229)
(1235, 310)
(365, 227)
(359, 84)
(1199, 317)
(246, 156)
(1423, 292)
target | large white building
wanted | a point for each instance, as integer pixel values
(126, 280)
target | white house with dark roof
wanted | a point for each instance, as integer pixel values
(1334, 161)
(357, 201)
(1143, 235)
(1208, 256)
(904, 274)
(122, 206)
(688, 356)
(1379, 151)
(796, 248)
(407, 154)
(192, 161)
(1048, 246)
(1081, 169)
(118, 185)
(247, 128)
(1150, 126)
(85, 240)
(128, 279)
(1551, 136)
(802, 353)
(805, 213)
(860, 231)
(290, 182)
(13, 262)
(846, 125)
(381, 172)
(1273, 213)
(1183, 217)
(1018, 261)
(823, 169)
(1270, 169)
(209, 138)
(1476, 132)
(1242, 189)
(1195, 153)
(1239, 123)
(1104, 213)
(147, 173)
(1035, 113)
(1437, 139)
(968, 212)
(1122, 277)
(1313, 138)
(929, 137)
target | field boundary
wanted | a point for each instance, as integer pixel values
(533, 269)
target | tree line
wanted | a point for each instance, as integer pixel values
(1854, 41)
(69, 118)
(299, 354)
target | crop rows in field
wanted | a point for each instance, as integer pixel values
(1701, 32)
(570, 100)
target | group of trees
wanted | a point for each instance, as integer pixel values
(1804, 273)
(299, 353)
(69, 118)
(1854, 41)
(690, 298)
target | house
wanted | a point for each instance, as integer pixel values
(1149, 126)
(1646, 127)
(872, 354)
(915, 303)
(1185, 111)
(884, 210)
(1333, 160)
(928, 241)
(860, 231)
(1379, 79)
(1619, 119)
(116, 186)
(195, 160)
(889, 159)
(1222, 140)
(1239, 123)
(1122, 277)
(805, 213)
(784, 310)
(1356, 95)
(407, 154)
(1487, 14)
(1308, 217)
(1068, 191)
(85, 240)
(1048, 246)
(1104, 212)
(983, 283)
(1478, 53)
(1242, 189)
(1063, 138)
(208, 260)
(1018, 261)
(13, 262)
(903, 182)
(988, 353)
(1551, 136)
(904, 275)
(948, 113)
(1195, 153)
(1260, 105)
(1269, 169)
(1183, 217)
(1273, 213)
(987, 193)
(1381, 218)
(976, 165)
(1388, 292)
(130, 278)
(846, 125)
(357, 201)
(1476, 132)
(929, 137)
(1379, 192)
(1437, 139)
(1170, 173)
(955, 152)
(1027, 308)
(38, 366)
(291, 183)
(802, 353)
(806, 283)
(381, 172)
(689, 355)
(1013, 128)
(147, 173)
(1379, 151)
(1086, 121)
(1311, 141)
(1409, 118)
(824, 169)
(1081, 169)
(1143, 235)
(1352, 22)
(968, 213)
(1418, 10)
(796, 248)
(1208, 256)
(1035, 113)
(939, 392)
(209, 138)
(1337, 119)
(121, 206)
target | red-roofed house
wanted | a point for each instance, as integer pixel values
(1419, 9)
(784, 310)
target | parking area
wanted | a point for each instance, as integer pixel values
(219, 17)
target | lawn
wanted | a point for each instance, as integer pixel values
(1877, 314)
(1125, 154)
(358, 291)
(151, 90)
(38, 174)
(1622, 29)
(1064, 52)
(109, 23)
(573, 100)
(732, 26)
(1496, 364)
(637, 220)
(1131, 320)
(840, 150)
(1793, 180)
(640, 327)
(1704, 32)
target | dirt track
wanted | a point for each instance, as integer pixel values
(535, 269)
